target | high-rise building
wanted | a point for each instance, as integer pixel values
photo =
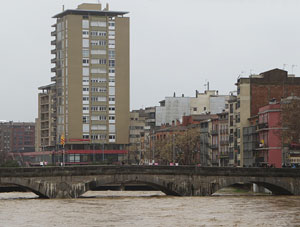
(91, 82)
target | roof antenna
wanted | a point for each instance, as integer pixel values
(293, 66)
(284, 65)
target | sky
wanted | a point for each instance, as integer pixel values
(176, 46)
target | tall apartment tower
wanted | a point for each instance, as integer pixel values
(91, 78)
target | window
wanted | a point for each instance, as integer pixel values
(85, 136)
(85, 71)
(98, 33)
(98, 127)
(98, 61)
(98, 70)
(85, 43)
(112, 137)
(85, 98)
(111, 63)
(98, 52)
(111, 54)
(98, 137)
(112, 91)
(98, 42)
(111, 24)
(112, 108)
(112, 99)
(85, 127)
(85, 108)
(85, 53)
(98, 80)
(112, 33)
(98, 118)
(85, 80)
(85, 119)
(85, 33)
(98, 99)
(85, 89)
(112, 128)
(111, 70)
(85, 61)
(98, 23)
(98, 108)
(112, 117)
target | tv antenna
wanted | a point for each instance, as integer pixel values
(284, 65)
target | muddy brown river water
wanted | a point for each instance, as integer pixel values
(148, 209)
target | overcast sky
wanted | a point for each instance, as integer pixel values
(176, 46)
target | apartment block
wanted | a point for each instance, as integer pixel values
(174, 108)
(136, 135)
(91, 83)
(16, 137)
(254, 92)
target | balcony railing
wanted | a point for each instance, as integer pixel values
(53, 51)
(53, 42)
(53, 69)
(224, 142)
(262, 125)
(53, 60)
(214, 132)
(53, 33)
(214, 146)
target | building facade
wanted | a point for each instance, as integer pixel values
(256, 91)
(174, 108)
(91, 84)
(16, 137)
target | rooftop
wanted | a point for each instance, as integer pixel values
(90, 12)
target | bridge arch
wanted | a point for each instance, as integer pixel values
(160, 184)
(275, 186)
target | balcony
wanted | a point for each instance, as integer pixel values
(224, 155)
(53, 60)
(262, 126)
(224, 131)
(224, 142)
(53, 51)
(214, 146)
(53, 33)
(214, 132)
(53, 70)
(53, 42)
(53, 78)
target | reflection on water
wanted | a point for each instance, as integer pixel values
(113, 208)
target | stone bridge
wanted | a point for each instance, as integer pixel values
(73, 181)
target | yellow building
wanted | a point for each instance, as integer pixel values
(91, 79)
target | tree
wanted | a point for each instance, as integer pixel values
(290, 120)
(182, 147)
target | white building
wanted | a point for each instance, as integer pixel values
(174, 108)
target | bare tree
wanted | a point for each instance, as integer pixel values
(290, 120)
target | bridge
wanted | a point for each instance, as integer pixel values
(73, 181)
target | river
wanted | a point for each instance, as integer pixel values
(111, 208)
